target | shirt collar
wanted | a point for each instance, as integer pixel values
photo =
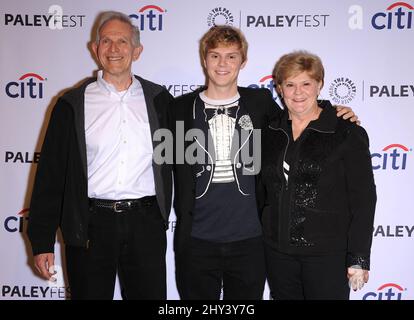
(326, 122)
(219, 103)
(108, 88)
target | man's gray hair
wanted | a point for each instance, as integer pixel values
(107, 16)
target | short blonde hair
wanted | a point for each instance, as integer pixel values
(223, 35)
(296, 62)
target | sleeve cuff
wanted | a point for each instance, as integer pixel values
(360, 260)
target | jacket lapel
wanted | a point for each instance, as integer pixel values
(78, 107)
(242, 131)
(150, 93)
(200, 122)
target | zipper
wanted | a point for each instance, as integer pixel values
(283, 194)
(317, 130)
(287, 194)
(284, 155)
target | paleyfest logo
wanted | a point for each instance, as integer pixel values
(220, 16)
(54, 19)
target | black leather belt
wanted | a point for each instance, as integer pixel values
(123, 205)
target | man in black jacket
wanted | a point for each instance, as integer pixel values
(97, 181)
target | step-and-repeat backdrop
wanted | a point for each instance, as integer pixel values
(367, 50)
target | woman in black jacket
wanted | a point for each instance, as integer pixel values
(316, 190)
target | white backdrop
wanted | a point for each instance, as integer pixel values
(367, 49)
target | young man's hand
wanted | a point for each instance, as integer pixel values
(347, 113)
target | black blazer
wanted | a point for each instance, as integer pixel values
(328, 204)
(60, 197)
(261, 108)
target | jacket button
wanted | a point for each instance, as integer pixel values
(208, 168)
(238, 165)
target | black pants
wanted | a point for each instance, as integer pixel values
(132, 243)
(295, 277)
(238, 267)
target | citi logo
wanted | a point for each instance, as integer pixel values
(17, 224)
(149, 18)
(30, 85)
(388, 291)
(266, 82)
(398, 15)
(394, 156)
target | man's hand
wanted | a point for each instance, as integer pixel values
(347, 113)
(44, 264)
(357, 277)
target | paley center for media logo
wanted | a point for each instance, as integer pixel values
(220, 16)
(392, 157)
(29, 85)
(396, 16)
(149, 17)
(388, 291)
(54, 19)
(223, 16)
(342, 90)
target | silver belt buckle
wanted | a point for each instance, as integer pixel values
(115, 207)
(120, 202)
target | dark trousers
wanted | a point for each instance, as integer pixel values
(132, 243)
(296, 277)
(207, 267)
